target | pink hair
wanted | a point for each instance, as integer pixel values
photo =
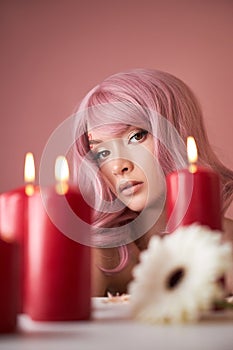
(135, 97)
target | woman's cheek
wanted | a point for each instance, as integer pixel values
(108, 177)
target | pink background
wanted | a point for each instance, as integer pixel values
(53, 52)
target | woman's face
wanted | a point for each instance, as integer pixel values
(128, 165)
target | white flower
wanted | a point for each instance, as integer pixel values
(178, 275)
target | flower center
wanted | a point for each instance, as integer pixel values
(175, 278)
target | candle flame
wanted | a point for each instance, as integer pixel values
(29, 168)
(61, 169)
(29, 173)
(192, 153)
(61, 175)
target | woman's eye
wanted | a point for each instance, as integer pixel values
(138, 136)
(101, 155)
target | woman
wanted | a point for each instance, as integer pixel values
(131, 132)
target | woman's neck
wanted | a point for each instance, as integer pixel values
(158, 229)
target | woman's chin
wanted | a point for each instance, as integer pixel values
(136, 205)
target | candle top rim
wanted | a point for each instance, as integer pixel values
(200, 170)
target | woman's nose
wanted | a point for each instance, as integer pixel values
(121, 166)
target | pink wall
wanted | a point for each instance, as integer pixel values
(53, 52)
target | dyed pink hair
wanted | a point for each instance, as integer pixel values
(135, 97)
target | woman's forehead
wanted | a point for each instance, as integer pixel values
(108, 130)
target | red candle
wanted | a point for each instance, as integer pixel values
(9, 287)
(13, 220)
(58, 267)
(193, 195)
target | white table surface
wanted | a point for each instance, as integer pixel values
(112, 329)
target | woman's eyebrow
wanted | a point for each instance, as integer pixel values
(91, 141)
(94, 142)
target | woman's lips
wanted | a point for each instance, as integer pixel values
(130, 187)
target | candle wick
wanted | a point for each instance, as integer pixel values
(29, 189)
(192, 167)
(62, 187)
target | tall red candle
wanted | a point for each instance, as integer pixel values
(193, 195)
(58, 267)
(13, 220)
(9, 285)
